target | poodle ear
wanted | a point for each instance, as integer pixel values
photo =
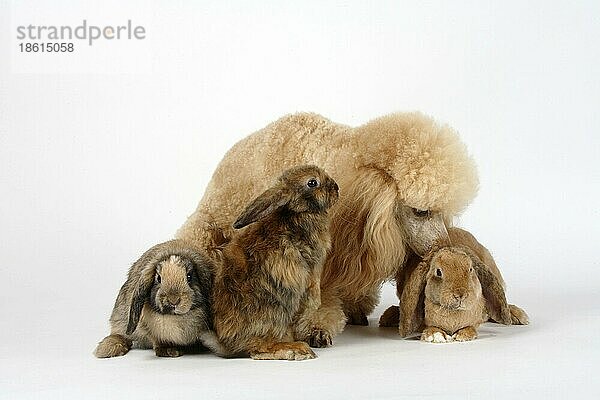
(267, 203)
(495, 299)
(412, 301)
(141, 293)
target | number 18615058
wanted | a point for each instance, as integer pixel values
(46, 47)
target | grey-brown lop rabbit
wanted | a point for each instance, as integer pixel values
(450, 292)
(164, 304)
(271, 270)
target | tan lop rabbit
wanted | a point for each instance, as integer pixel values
(270, 271)
(164, 304)
(450, 292)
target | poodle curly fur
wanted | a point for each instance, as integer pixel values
(401, 158)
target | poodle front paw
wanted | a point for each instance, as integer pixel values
(357, 318)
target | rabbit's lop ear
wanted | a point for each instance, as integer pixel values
(140, 295)
(265, 204)
(412, 301)
(495, 299)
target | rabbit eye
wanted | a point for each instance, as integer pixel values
(157, 278)
(312, 183)
(421, 213)
(471, 269)
(189, 277)
(438, 272)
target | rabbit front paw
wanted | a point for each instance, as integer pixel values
(319, 338)
(465, 334)
(168, 351)
(435, 335)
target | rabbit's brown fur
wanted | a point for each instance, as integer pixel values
(422, 306)
(164, 303)
(270, 271)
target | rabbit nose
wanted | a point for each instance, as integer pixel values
(173, 300)
(459, 296)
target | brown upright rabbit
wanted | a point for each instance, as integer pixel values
(270, 271)
(450, 292)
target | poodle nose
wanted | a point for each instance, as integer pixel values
(173, 300)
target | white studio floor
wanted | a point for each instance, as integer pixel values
(47, 354)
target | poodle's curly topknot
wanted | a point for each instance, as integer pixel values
(429, 163)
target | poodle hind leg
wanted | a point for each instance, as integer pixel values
(390, 317)
(358, 310)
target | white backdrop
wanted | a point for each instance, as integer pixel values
(105, 151)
